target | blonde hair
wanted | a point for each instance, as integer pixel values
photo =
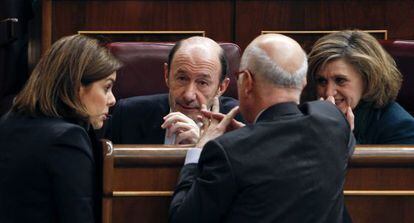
(53, 87)
(361, 50)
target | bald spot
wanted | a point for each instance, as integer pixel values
(199, 47)
(286, 52)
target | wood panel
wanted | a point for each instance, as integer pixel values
(379, 185)
(252, 17)
(235, 21)
(213, 17)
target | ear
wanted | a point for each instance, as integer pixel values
(166, 74)
(247, 83)
(81, 91)
(223, 86)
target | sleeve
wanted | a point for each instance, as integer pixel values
(71, 166)
(204, 191)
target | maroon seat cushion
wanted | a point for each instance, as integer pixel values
(142, 73)
(403, 53)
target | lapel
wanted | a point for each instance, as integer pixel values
(155, 134)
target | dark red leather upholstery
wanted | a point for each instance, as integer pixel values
(403, 53)
(142, 73)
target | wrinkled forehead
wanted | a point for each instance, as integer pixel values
(199, 57)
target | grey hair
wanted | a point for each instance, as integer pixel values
(258, 62)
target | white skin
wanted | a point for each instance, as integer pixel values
(97, 97)
(216, 124)
(340, 80)
(193, 80)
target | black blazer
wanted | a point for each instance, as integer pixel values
(48, 171)
(288, 167)
(137, 120)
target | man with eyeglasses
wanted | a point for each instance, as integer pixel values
(287, 165)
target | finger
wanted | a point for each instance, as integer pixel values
(204, 107)
(201, 99)
(321, 99)
(229, 117)
(174, 118)
(350, 117)
(206, 124)
(216, 105)
(173, 114)
(238, 124)
(182, 127)
(331, 99)
(188, 137)
(209, 114)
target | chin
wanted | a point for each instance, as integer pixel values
(97, 125)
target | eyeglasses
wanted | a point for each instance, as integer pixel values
(238, 73)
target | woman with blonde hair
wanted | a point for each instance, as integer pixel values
(49, 163)
(363, 78)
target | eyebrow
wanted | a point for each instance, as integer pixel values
(335, 75)
(111, 79)
(183, 71)
(208, 76)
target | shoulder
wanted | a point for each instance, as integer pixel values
(325, 112)
(391, 125)
(61, 132)
(47, 132)
(394, 111)
(393, 115)
(320, 108)
(147, 100)
(141, 106)
(227, 103)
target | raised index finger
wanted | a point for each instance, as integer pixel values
(229, 117)
(216, 105)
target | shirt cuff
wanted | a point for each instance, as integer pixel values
(192, 156)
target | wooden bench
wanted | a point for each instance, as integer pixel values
(139, 181)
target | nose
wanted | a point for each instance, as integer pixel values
(330, 89)
(190, 92)
(111, 99)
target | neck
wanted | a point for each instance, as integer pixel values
(263, 98)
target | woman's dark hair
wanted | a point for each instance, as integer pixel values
(53, 87)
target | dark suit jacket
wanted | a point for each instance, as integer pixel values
(288, 167)
(47, 171)
(388, 125)
(138, 120)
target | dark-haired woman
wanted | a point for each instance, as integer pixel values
(49, 167)
(363, 78)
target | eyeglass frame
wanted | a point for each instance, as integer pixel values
(238, 73)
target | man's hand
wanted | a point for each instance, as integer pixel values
(213, 128)
(233, 125)
(215, 114)
(350, 117)
(185, 129)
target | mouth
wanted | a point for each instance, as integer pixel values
(189, 108)
(339, 101)
(105, 116)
